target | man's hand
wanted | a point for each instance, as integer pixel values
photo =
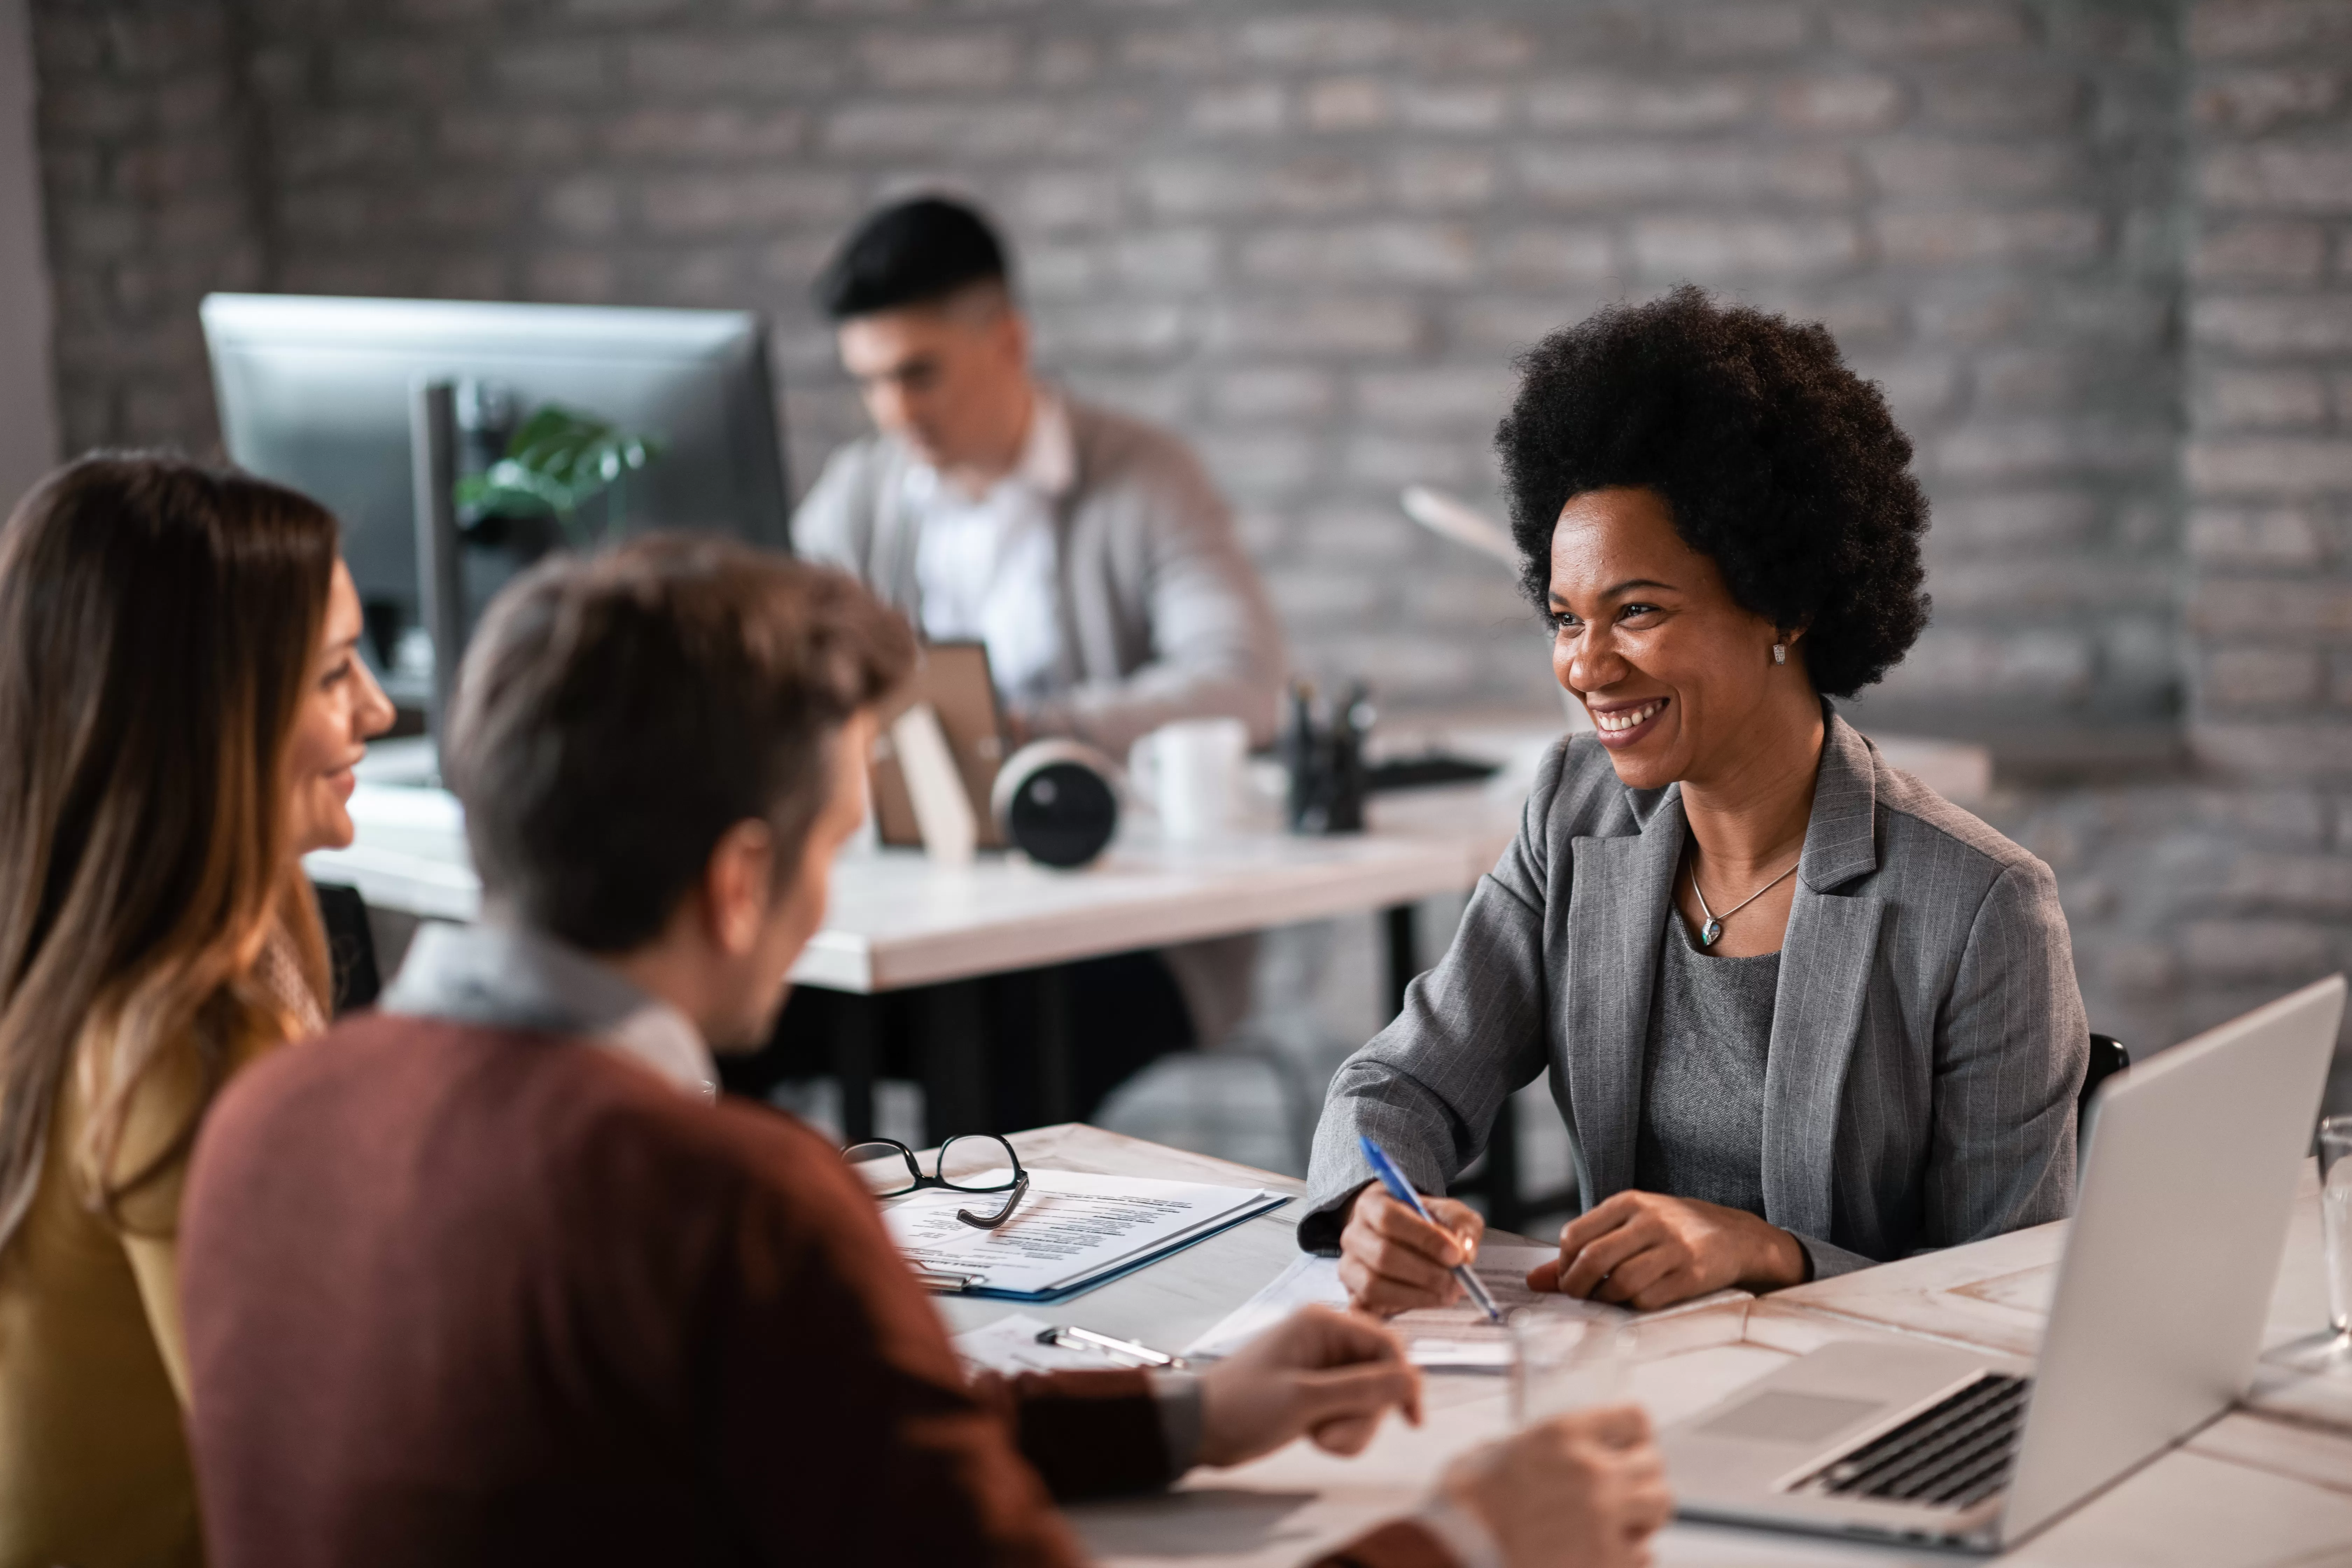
(1585, 1490)
(1319, 1371)
(1647, 1250)
(1392, 1259)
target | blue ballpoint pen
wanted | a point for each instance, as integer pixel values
(1401, 1190)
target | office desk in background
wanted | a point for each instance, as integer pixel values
(898, 920)
(2270, 1483)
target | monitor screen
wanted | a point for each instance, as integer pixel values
(316, 393)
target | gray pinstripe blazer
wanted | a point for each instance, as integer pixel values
(1927, 1038)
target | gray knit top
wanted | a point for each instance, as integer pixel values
(1702, 1133)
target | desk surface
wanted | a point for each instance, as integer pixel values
(897, 919)
(2270, 1483)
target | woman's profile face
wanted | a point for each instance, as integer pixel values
(1675, 675)
(342, 707)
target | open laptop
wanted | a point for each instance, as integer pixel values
(2153, 1326)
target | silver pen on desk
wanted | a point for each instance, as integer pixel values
(1103, 1344)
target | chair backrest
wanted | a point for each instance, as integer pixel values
(351, 946)
(2107, 1058)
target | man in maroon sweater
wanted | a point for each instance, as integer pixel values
(492, 1275)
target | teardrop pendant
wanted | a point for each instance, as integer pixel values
(1708, 932)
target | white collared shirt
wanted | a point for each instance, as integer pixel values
(985, 568)
(508, 977)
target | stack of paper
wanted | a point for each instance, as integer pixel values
(1071, 1231)
(1459, 1338)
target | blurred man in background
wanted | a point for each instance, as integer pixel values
(1088, 551)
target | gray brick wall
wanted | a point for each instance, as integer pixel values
(151, 176)
(2190, 901)
(1311, 238)
(2096, 251)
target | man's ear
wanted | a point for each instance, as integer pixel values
(738, 887)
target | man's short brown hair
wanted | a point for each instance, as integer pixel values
(619, 712)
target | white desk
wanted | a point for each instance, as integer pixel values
(898, 920)
(2262, 1486)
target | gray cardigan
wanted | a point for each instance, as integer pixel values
(1161, 616)
(1927, 1038)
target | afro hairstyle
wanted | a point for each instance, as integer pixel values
(1774, 458)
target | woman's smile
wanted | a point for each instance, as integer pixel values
(1626, 723)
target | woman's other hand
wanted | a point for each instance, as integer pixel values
(1585, 1490)
(1647, 1250)
(1320, 1372)
(1393, 1260)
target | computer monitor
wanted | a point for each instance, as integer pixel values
(316, 393)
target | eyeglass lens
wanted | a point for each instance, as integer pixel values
(887, 1169)
(978, 1163)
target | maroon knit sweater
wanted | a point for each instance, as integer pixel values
(462, 1296)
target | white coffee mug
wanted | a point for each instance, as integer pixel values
(1189, 772)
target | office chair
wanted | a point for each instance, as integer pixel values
(351, 946)
(2107, 1058)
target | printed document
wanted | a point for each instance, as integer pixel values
(1458, 1338)
(1071, 1229)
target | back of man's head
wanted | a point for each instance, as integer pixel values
(912, 253)
(618, 714)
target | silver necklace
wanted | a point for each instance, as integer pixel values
(1714, 927)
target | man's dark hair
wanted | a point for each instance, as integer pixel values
(912, 253)
(618, 714)
(1775, 459)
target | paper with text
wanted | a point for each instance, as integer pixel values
(1072, 1227)
(1438, 1339)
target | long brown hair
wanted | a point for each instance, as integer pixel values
(158, 621)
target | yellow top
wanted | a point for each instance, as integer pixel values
(94, 1466)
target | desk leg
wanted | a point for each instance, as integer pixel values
(955, 1061)
(1404, 956)
(1057, 1092)
(854, 1066)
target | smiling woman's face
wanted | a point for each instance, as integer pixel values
(342, 707)
(1676, 676)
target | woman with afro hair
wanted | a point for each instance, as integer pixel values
(1800, 1014)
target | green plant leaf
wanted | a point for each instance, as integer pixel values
(557, 461)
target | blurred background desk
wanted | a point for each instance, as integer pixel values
(899, 924)
(898, 920)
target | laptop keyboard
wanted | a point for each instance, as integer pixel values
(1951, 1455)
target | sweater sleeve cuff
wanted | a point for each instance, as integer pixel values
(1178, 1397)
(1406, 1542)
(1462, 1533)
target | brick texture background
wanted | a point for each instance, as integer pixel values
(2098, 252)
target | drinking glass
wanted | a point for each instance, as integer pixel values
(2335, 1233)
(1563, 1362)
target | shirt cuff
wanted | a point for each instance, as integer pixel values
(1461, 1532)
(1177, 1396)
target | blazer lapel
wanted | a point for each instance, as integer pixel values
(1825, 965)
(1620, 891)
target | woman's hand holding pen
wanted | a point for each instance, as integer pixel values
(1393, 1260)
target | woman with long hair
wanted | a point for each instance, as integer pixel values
(181, 705)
